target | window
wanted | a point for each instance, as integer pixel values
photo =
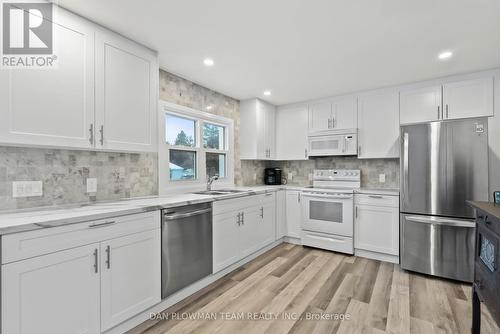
(216, 164)
(195, 145)
(213, 136)
(180, 131)
(182, 165)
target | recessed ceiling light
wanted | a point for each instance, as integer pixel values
(445, 55)
(267, 93)
(208, 62)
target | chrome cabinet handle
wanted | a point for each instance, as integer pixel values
(96, 266)
(356, 212)
(375, 196)
(239, 219)
(329, 123)
(262, 212)
(439, 111)
(108, 256)
(101, 131)
(359, 150)
(333, 123)
(96, 225)
(243, 218)
(305, 153)
(91, 131)
(447, 110)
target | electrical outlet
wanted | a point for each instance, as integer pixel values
(381, 178)
(255, 176)
(91, 185)
(290, 177)
(27, 188)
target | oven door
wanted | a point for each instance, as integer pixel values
(328, 213)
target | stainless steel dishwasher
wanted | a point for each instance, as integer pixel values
(186, 246)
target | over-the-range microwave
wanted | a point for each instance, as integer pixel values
(333, 144)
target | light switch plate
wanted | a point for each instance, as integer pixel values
(310, 176)
(255, 177)
(381, 178)
(91, 185)
(290, 176)
(27, 189)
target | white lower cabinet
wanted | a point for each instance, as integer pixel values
(241, 227)
(86, 289)
(130, 276)
(56, 293)
(281, 230)
(376, 226)
(293, 213)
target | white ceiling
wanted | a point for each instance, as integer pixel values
(302, 50)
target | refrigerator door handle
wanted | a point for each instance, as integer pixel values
(406, 166)
(441, 221)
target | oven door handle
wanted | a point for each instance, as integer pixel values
(441, 221)
(305, 194)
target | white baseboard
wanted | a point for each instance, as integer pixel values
(292, 240)
(376, 256)
(186, 292)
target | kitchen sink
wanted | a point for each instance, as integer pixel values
(220, 192)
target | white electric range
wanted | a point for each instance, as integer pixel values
(328, 210)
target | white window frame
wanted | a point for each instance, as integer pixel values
(167, 186)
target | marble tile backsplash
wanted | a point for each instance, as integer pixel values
(64, 174)
(301, 170)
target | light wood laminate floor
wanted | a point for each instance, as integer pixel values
(296, 282)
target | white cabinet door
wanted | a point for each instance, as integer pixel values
(53, 106)
(293, 214)
(468, 98)
(249, 234)
(258, 133)
(420, 105)
(291, 133)
(320, 116)
(281, 214)
(126, 94)
(378, 121)
(376, 229)
(267, 227)
(345, 113)
(226, 244)
(56, 293)
(130, 276)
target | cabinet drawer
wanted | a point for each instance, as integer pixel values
(378, 200)
(239, 204)
(19, 246)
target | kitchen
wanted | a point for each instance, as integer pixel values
(146, 188)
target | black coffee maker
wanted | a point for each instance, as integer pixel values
(272, 176)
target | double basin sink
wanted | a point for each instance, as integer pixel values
(220, 192)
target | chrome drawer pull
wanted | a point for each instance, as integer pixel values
(96, 225)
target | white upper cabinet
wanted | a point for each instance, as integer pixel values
(291, 133)
(420, 104)
(126, 94)
(53, 106)
(320, 116)
(338, 113)
(258, 130)
(468, 98)
(344, 113)
(378, 122)
(101, 94)
(452, 100)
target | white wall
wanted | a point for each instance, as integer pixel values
(494, 142)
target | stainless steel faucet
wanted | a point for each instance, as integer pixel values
(210, 180)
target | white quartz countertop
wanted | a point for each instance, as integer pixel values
(37, 218)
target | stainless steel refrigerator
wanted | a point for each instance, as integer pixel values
(443, 164)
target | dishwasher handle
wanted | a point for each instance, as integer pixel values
(170, 216)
